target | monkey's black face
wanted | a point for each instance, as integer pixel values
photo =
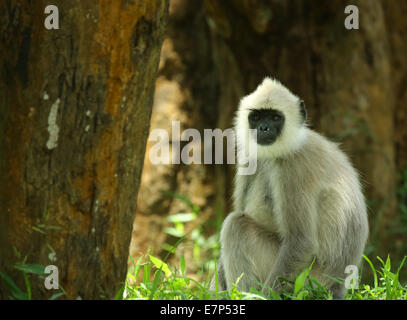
(268, 123)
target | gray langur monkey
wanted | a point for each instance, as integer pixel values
(304, 201)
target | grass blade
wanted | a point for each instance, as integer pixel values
(15, 290)
(119, 294)
(31, 268)
(373, 270)
(159, 264)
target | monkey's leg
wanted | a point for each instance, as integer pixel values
(221, 278)
(324, 276)
(248, 249)
(338, 291)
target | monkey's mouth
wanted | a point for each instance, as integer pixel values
(265, 139)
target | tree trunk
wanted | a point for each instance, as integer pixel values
(76, 104)
(187, 91)
(352, 82)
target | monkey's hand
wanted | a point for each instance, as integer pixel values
(292, 257)
(277, 282)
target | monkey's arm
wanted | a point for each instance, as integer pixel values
(294, 255)
(299, 243)
(221, 277)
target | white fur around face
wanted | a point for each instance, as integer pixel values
(271, 94)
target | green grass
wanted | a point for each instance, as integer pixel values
(151, 278)
(28, 270)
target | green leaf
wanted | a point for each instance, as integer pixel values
(157, 279)
(31, 268)
(174, 232)
(119, 294)
(401, 265)
(373, 269)
(300, 296)
(50, 248)
(161, 265)
(38, 230)
(275, 295)
(170, 248)
(52, 227)
(180, 227)
(183, 265)
(179, 284)
(182, 217)
(146, 273)
(137, 268)
(381, 261)
(56, 296)
(28, 285)
(15, 290)
(388, 265)
(300, 281)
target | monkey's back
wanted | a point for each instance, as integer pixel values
(329, 177)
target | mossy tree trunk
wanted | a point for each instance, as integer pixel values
(76, 105)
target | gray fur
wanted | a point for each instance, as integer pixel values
(298, 206)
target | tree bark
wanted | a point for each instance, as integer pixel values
(187, 91)
(76, 104)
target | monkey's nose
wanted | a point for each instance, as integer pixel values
(264, 128)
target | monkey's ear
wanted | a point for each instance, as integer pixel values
(303, 110)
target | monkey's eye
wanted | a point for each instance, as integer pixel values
(254, 117)
(276, 117)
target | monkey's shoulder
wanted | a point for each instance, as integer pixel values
(317, 158)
